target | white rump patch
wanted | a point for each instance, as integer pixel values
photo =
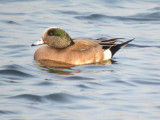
(107, 54)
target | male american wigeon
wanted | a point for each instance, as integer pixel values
(63, 49)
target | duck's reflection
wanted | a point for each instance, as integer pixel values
(66, 69)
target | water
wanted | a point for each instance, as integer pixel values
(126, 88)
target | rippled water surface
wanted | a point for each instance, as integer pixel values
(125, 88)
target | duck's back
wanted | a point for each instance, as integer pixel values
(82, 52)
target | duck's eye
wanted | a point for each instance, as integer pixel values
(51, 32)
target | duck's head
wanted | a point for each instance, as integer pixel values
(56, 38)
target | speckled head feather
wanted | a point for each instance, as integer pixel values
(57, 38)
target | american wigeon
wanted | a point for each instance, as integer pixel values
(62, 49)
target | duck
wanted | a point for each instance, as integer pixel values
(61, 48)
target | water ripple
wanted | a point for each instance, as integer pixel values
(11, 22)
(147, 82)
(92, 17)
(69, 12)
(14, 70)
(125, 87)
(143, 46)
(124, 83)
(29, 97)
(83, 86)
(6, 112)
(60, 97)
(14, 73)
(155, 16)
(55, 97)
(14, 14)
(78, 78)
(46, 83)
(155, 8)
(14, 46)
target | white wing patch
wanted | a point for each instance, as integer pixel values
(107, 54)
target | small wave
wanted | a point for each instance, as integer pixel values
(59, 97)
(45, 83)
(64, 97)
(142, 46)
(15, 50)
(69, 12)
(29, 97)
(6, 112)
(55, 97)
(124, 83)
(83, 86)
(92, 17)
(2, 36)
(78, 78)
(13, 66)
(14, 14)
(14, 46)
(155, 16)
(14, 70)
(11, 22)
(146, 82)
(155, 8)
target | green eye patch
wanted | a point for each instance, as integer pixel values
(56, 32)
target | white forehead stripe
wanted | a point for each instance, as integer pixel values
(51, 28)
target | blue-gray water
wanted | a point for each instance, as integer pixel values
(126, 88)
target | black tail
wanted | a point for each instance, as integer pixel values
(115, 48)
